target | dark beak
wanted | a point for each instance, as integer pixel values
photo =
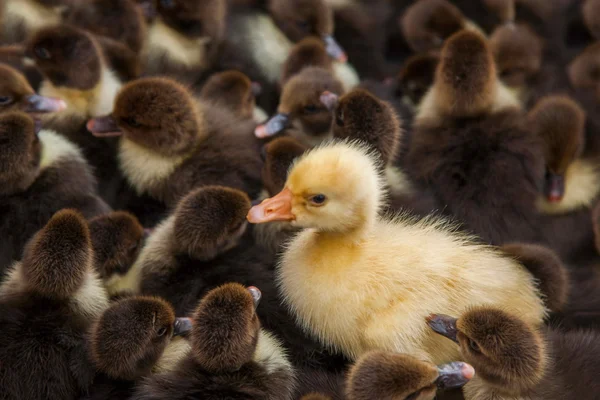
(256, 88)
(329, 100)
(454, 375)
(103, 127)
(256, 295)
(182, 326)
(444, 325)
(41, 104)
(273, 126)
(554, 187)
(334, 50)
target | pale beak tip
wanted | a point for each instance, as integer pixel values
(468, 371)
(61, 105)
(261, 132)
(343, 58)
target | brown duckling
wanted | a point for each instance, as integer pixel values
(117, 239)
(185, 37)
(231, 357)
(41, 165)
(301, 112)
(469, 143)
(514, 360)
(583, 70)
(134, 338)
(388, 376)
(14, 56)
(47, 303)
(428, 23)
(309, 52)
(590, 10)
(16, 94)
(232, 90)
(170, 143)
(20, 18)
(416, 77)
(120, 20)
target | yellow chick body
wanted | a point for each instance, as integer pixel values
(360, 282)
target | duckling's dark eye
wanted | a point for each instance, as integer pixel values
(311, 109)
(474, 346)
(42, 53)
(167, 3)
(161, 331)
(318, 199)
(5, 100)
(339, 118)
(303, 25)
(131, 122)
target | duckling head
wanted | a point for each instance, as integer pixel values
(506, 352)
(16, 94)
(427, 23)
(301, 18)
(416, 76)
(233, 90)
(157, 114)
(591, 17)
(333, 188)
(560, 122)
(132, 334)
(117, 239)
(209, 221)
(504, 9)
(279, 155)
(301, 113)
(359, 115)
(20, 152)
(120, 20)
(195, 19)
(518, 53)
(465, 82)
(584, 70)
(66, 56)
(225, 328)
(59, 258)
(310, 51)
(382, 375)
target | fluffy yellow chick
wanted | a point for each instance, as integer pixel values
(361, 282)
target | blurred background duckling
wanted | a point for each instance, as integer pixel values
(335, 193)
(132, 339)
(514, 360)
(231, 356)
(48, 302)
(20, 18)
(42, 165)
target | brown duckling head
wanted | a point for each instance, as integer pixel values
(66, 56)
(121, 20)
(380, 375)
(301, 18)
(416, 76)
(20, 152)
(117, 239)
(195, 19)
(308, 52)
(279, 154)
(132, 334)
(209, 221)
(517, 51)
(16, 94)
(427, 23)
(560, 122)
(590, 10)
(155, 113)
(584, 70)
(225, 328)
(232, 90)
(505, 351)
(301, 113)
(361, 115)
(58, 259)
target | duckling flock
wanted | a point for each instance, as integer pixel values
(299, 199)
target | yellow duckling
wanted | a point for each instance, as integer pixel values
(361, 282)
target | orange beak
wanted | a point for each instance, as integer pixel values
(277, 208)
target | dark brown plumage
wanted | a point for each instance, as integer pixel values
(172, 143)
(47, 304)
(278, 157)
(226, 360)
(416, 76)
(590, 9)
(309, 52)
(232, 90)
(41, 174)
(515, 360)
(583, 70)
(471, 147)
